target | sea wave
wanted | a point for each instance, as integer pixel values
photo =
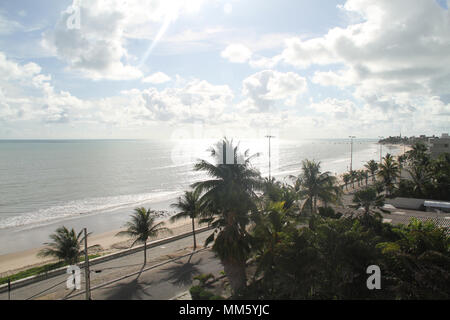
(84, 207)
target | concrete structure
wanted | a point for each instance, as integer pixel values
(407, 203)
(439, 145)
(437, 206)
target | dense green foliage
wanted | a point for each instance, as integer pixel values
(328, 260)
(302, 249)
(430, 178)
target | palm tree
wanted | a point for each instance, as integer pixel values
(346, 177)
(418, 154)
(275, 191)
(268, 229)
(421, 177)
(353, 176)
(190, 206)
(388, 171)
(372, 166)
(229, 196)
(367, 199)
(360, 175)
(65, 246)
(315, 185)
(142, 227)
(365, 175)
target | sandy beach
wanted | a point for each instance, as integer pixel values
(105, 243)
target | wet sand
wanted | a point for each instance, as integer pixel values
(105, 243)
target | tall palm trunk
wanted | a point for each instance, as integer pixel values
(315, 204)
(145, 253)
(235, 272)
(193, 233)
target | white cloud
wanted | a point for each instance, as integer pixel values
(97, 50)
(228, 8)
(264, 63)
(11, 70)
(29, 95)
(398, 47)
(157, 78)
(393, 57)
(263, 89)
(237, 53)
(8, 26)
(196, 100)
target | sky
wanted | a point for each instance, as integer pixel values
(151, 69)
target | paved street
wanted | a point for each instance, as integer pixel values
(161, 283)
(55, 287)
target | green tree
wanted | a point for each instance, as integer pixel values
(418, 155)
(365, 175)
(372, 166)
(440, 176)
(388, 171)
(418, 263)
(66, 246)
(268, 229)
(368, 199)
(421, 179)
(189, 206)
(143, 227)
(353, 177)
(275, 191)
(315, 185)
(346, 177)
(229, 197)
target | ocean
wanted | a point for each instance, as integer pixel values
(96, 183)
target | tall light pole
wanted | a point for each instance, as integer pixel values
(270, 137)
(381, 148)
(351, 152)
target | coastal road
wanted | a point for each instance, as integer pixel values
(55, 287)
(161, 283)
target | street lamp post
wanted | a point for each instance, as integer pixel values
(269, 136)
(351, 152)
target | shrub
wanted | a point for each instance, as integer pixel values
(195, 292)
(328, 212)
(199, 293)
(203, 278)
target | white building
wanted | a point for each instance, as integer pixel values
(439, 145)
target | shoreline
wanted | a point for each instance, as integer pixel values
(14, 262)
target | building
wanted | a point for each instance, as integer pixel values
(439, 145)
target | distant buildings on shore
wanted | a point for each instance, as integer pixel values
(440, 145)
(435, 145)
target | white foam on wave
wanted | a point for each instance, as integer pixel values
(86, 206)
